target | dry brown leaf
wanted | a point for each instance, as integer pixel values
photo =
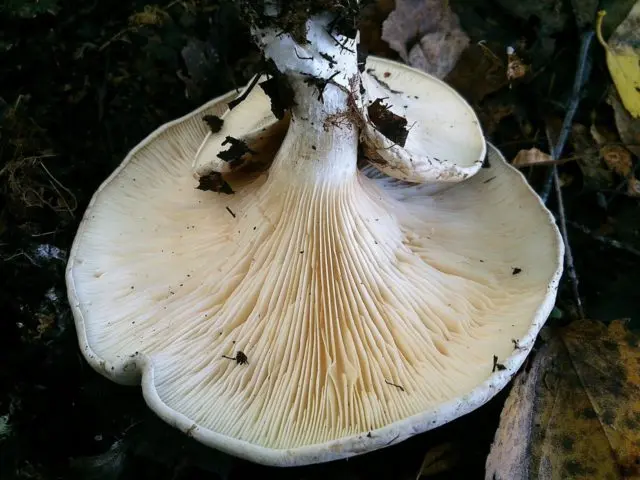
(633, 187)
(533, 156)
(584, 12)
(628, 127)
(597, 135)
(566, 179)
(478, 73)
(370, 27)
(596, 175)
(150, 15)
(575, 414)
(516, 68)
(437, 460)
(426, 34)
(493, 112)
(618, 159)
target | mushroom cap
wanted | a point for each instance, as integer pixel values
(444, 144)
(247, 120)
(366, 314)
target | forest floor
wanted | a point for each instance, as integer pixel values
(81, 83)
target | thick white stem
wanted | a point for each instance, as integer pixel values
(321, 144)
(331, 114)
(326, 55)
(322, 141)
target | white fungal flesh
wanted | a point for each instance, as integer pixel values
(246, 121)
(333, 291)
(445, 142)
(368, 309)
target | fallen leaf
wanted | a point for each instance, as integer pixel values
(426, 34)
(108, 465)
(550, 13)
(370, 27)
(628, 127)
(617, 11)
(618, 159)
(623, 58)
(603, 135)
(575, 413)
(584, 12)
(151, 15)
(633, 187)
(199, 60)
(437, 460)
(493, 112)
(516, 68)
(478, 73)
(566, 179)
(596, 175)
(533, 156)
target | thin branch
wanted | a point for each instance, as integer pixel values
(341, 44)
(53, 182)
(295, 50)
(562, 220)
(582, 74)
(618, 189)
(610, 242)
(234, 103)
(571, 269)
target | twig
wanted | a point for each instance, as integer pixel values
(52, 232)
(571, 269)
(562, 220)
(234, 103)
(53, 182)
(295, 50)
(20, 253)
(582, 74)
(618, 189)
(399, 387)
(601, 238)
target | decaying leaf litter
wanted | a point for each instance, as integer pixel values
(574, 412)
(113, 76)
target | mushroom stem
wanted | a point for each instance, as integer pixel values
(333, 107)
(322, 139)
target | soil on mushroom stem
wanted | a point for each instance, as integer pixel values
(81, 84)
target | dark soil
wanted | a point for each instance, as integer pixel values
(81, 83)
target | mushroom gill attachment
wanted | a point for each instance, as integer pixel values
(439, 140)
(299, 321)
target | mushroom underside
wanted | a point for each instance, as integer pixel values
(443, 144)
(287, 316)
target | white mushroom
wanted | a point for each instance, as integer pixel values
(316, 313)
(438, 138)
(444, 142)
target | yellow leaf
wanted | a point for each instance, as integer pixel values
(575, 414)
(623, 58)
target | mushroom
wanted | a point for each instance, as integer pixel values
(311, 310)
